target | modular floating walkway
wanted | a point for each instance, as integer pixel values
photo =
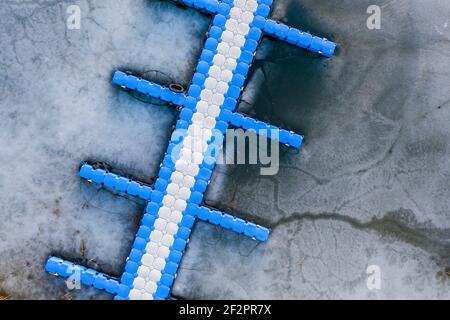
(208, 108)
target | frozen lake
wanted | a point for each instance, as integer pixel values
(370, 186)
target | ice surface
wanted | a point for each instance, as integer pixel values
(58, 108)
(369, 187)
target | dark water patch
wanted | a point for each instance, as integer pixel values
(309, 94)
(293, 78)
(304, 15)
